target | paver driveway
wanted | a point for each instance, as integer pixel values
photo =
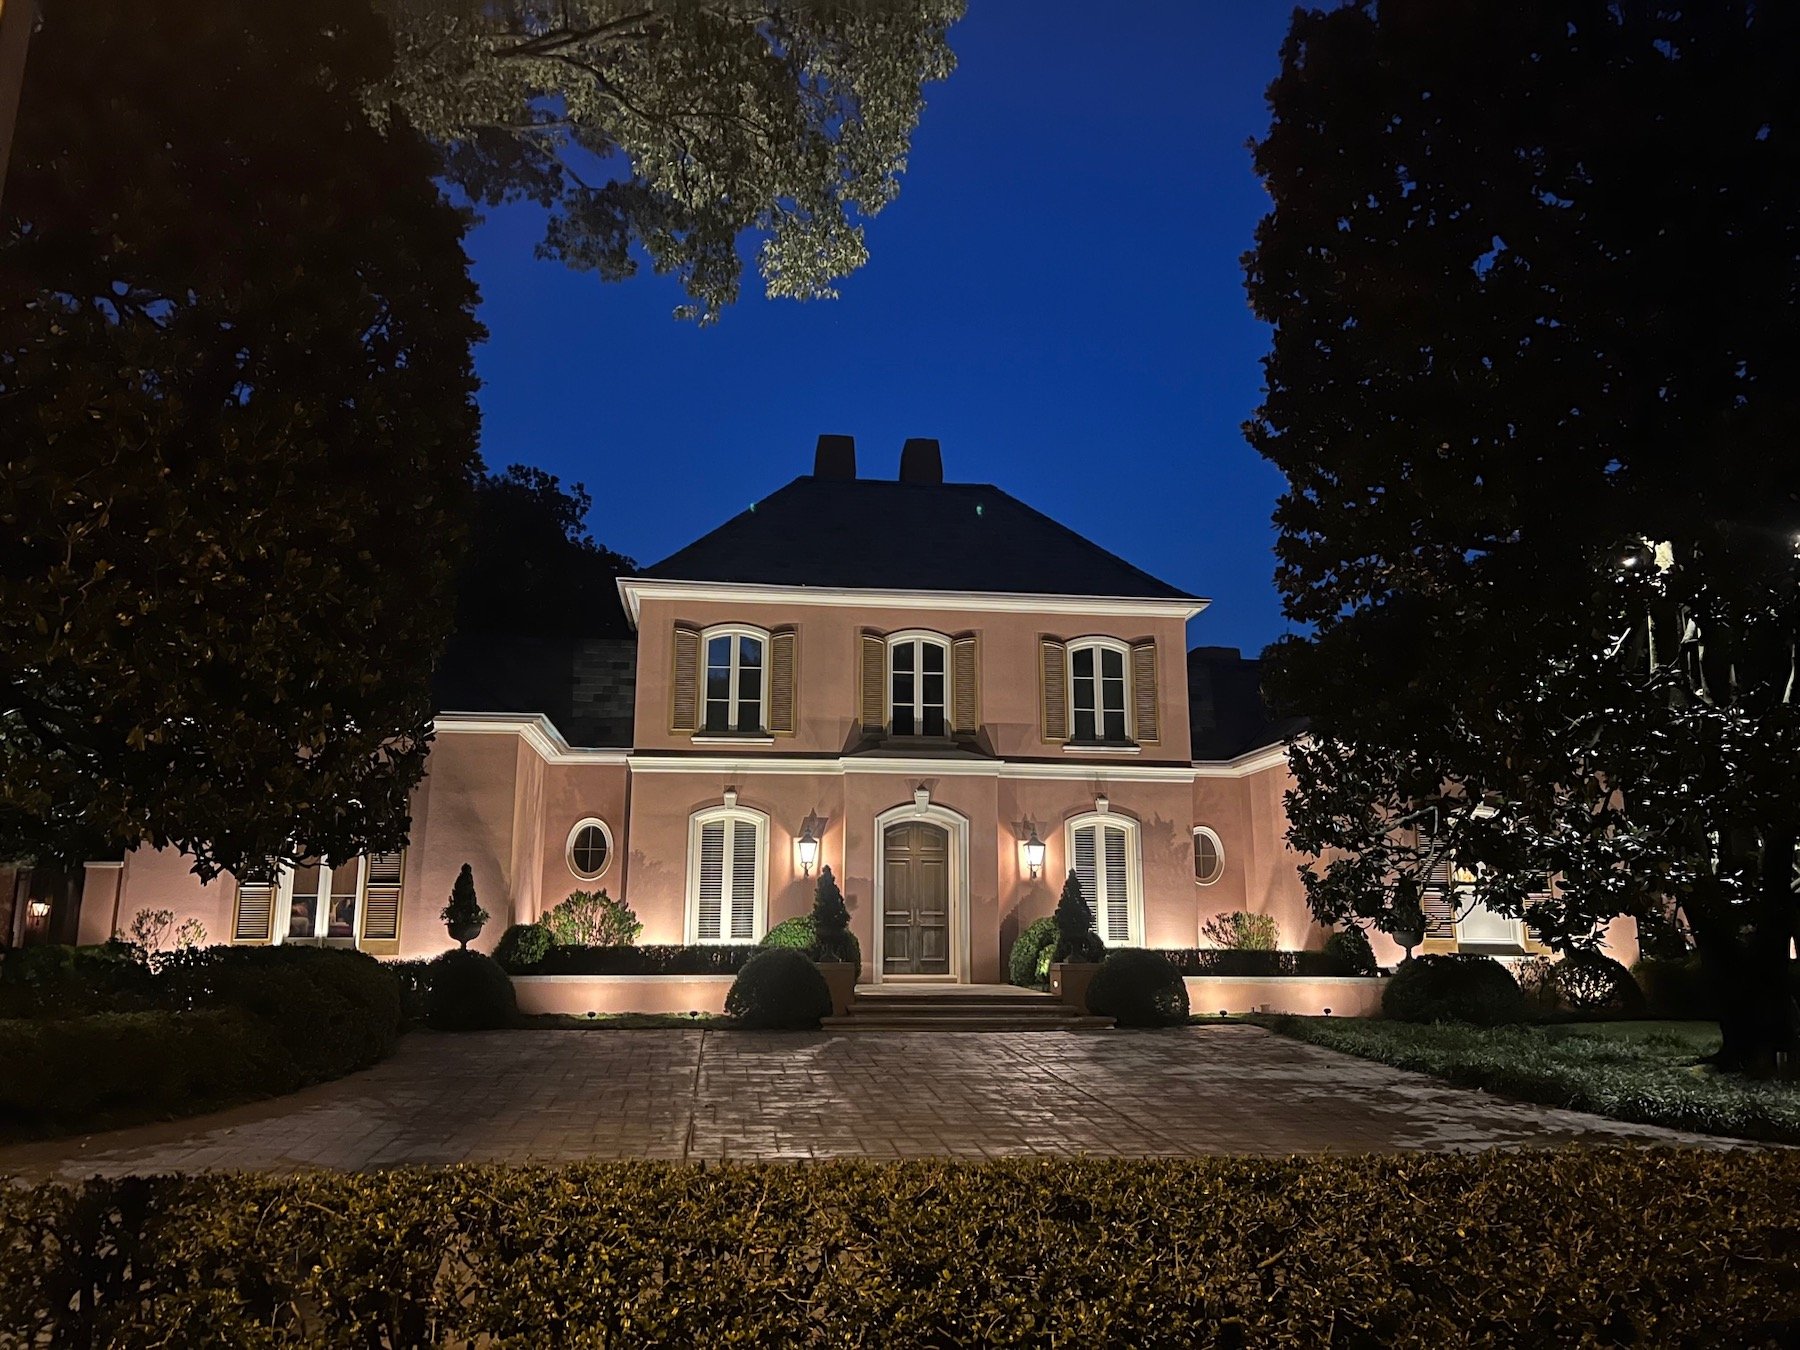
(508, 1096)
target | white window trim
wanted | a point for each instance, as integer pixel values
(759, 900)
(733, 630)
(569, 848)
(918, 635)
(1134, 870)
(1218, 845)
(284, 906)
(1098, 644)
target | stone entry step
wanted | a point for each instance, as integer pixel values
(959, 1007)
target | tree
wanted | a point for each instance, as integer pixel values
(1534, 293)
(1076, 937)
(531, 565)
(676, 129)
(832, 940)
(237, 429)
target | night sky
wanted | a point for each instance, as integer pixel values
(1056, 295)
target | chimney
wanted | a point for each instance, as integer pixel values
(835, 457)
(921, 461)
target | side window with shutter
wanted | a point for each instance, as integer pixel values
(725, 870)
(965, 675)
(1104, 850)
(872, 687)
(381, 903)
(253, 919)
(684, 692)
(1053, 692)
(784, 675)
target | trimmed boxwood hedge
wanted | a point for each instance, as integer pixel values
(1230, 961)
(468, 991)
(1453, 987)
(780, 989)
(698, 959)
(1028, 964)
(1138, 988)
(1576, 1247)
(798, 934)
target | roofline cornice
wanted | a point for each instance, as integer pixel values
(633, 590)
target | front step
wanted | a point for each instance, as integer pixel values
(960, 1008)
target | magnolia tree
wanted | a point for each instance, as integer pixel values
(1535, 302)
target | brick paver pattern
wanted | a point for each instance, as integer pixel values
(512, 1096)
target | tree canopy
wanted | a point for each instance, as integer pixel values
(1534, 282)
(677, 129)
(237, 429)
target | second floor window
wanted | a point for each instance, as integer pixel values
(917, 685)
(1098, 694)
(734, 680)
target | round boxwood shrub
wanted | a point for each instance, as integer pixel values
(1138, 988)
(469, 992)
(523, 945)
(1028, 965)
(1594, 982)
(1458, 987)
(778, 989)
(1348, 952)
(798, 934)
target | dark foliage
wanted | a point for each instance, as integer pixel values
(1138, 988)
(469, 992)
(1225, 961)
(779, 989)
(523, 946)
(1453, 987)
(832, 938)
(797, 933)
(1592, 982)
(1076, 937)
(463, 911)
(237, 429)
(706, 958)
(1347, 952)
(1028, 964)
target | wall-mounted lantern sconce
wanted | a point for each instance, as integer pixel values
(38, 909)
(806, 844)
(1034, 853)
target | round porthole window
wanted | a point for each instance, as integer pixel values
(1209, 856)
(590, 849)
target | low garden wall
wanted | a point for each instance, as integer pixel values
(581, 994)
(1304, 995)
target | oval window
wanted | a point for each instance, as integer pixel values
(1209, 856)
(590, 849)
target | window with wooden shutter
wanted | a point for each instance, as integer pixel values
(965, 714)
(783, 674)
(381, 902)
(1053, 682)
(728, 851)
(1437, 898)
(254, 918)
(1107, 864)
(684, 693)
(1147, 726)
(873, 686)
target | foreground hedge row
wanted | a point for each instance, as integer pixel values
(672, 959)
(1600, 1247)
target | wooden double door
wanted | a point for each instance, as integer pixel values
(915, 900)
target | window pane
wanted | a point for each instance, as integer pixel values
(1115, 725)
(718, 714)
(1112, 664)
(1084, 724)
(718, 654)
(340, 919)
(903, 719)
(933, 722)
(934, 658)
(1082, 663)
(589, 852)
(749, 651)
(903, 656)
(304, 915)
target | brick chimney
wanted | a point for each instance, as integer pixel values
(921, 461)
(835, 457)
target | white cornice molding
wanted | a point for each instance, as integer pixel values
(1254, 761)
(535, 729)
(633, 590)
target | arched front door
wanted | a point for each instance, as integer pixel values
(915, 938)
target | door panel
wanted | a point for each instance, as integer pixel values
(916, 900)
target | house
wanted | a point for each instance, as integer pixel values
(946, 696)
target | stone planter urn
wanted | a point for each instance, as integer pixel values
(466, 932)
(840, 979)
(1069, 981)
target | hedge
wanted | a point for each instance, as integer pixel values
(699, 959)
(1233, 961)
(1651, 1247)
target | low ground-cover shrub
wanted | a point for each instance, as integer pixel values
(1226, 961)
(1028, 964)
(1138, 988)
(468, 991)
(1647, 1072)
(697, 959)
(1598, 1247)
(591, 919)
(1453, 987)
(779, 990)
(1239, 930)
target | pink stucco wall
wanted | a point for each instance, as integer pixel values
(578, 995)
(1314, 997)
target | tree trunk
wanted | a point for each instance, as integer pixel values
(1744, 959)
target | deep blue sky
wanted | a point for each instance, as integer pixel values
(1056, 295)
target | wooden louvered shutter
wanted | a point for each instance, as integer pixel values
(254, 919)
(743, 880)
(1053, 678)
(381, 903)
(1087, 871)
(684, 692)
(783, 674)
(709, 904)
(1115, 917)
(1437, 897)
(965, 711)
(874, 682)
(1146, 706)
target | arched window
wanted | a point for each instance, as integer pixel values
(590, 848)
(728, 850)
(918, 684)
(1099, 691)
(737, 691)
(1104, 850)
(1209, 856)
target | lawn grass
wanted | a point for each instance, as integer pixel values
(622, 1021)
(1647, 1072)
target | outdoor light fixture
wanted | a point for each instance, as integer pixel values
(38, 909)
(1034, 853)
(808, 846)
